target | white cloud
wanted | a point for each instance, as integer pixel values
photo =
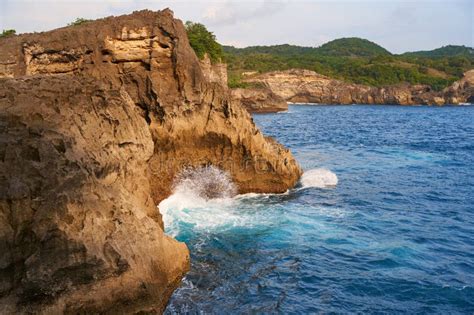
(231, 12)
(398, 25)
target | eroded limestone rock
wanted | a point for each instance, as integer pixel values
(216, 72)
(259, 100)
(95, 122)
(304, 86)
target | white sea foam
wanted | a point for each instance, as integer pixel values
(197, 213)
(319, 178)
(202, 197)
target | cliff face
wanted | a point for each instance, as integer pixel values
(216, 73)
(259, 100)
(79, 231)
(95, 122)
(255, 100)
(461, 91)
(304, 86)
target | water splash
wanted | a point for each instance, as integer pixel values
(202, 198)
(319, 178)
(208, 182)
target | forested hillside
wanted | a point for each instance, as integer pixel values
(445, 51)
(351, 47)
(354, 60)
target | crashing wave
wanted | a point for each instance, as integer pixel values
(206, 199)
(319, 178)
(200, 197)
(208, 182)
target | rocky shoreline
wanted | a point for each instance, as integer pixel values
(259, 100)
(304, 86)
(273, 91)
(96, 120)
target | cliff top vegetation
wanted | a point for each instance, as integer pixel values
(204, 42)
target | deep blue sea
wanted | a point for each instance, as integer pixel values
(395, 235)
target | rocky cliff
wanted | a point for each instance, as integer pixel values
(216, 72)
(259, 100)
(304, 86)
(255, 100)
(95, 122)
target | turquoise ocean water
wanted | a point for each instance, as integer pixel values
(394, 235)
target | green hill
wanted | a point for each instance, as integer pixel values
(445, 51)
(277, 50)
(352, 47)
(353, 60)
(343, 47)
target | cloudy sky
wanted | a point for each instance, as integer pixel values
(398, 25)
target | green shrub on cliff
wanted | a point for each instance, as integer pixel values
(79, 21)
(7, 32)
(203, 42)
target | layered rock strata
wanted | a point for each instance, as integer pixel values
(95, 122)
(304, 86)
(259, 100)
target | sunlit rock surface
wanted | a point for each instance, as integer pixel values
(96, 121)
(305, 86)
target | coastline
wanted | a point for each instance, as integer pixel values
(304, 86)
(295, 86)
(144, 168)
(363, 104)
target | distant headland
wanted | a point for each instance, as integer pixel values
(343, 71)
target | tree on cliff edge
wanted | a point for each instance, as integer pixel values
(7, 33)
(203, 41)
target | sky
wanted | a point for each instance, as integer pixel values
(397, 25)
